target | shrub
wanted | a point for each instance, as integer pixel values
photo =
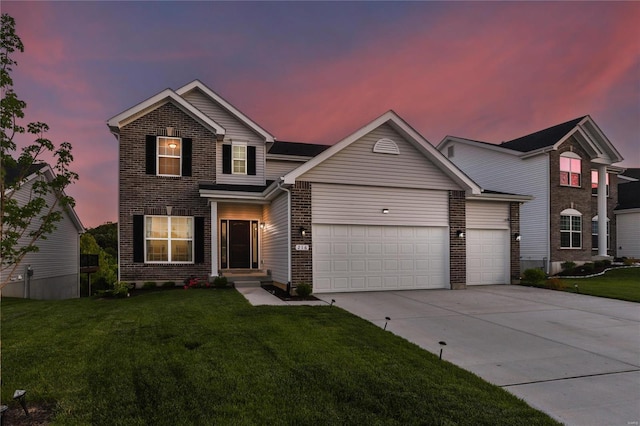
(120, 289)
(606, 263)
(629, 261)
(220, 282)
(533, 276)
(168, 284)
(195, 282)
(588, 268)
(568, 266)
(555, 284)
(303, 289)
(598, 264)
(147, 285)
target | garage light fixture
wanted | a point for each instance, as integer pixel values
(303, 232)
(460, 233)
(518, 237)
(385, 211)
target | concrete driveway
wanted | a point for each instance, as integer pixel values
(572, 356)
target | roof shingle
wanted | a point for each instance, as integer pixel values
(541, 138)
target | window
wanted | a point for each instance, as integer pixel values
(169, 156)
(570, 229)
(239, 159)
(168, 239)
(594, 234)
(594, 182)
(570, 166)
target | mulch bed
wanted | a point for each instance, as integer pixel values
(282, 294)
(40, 414)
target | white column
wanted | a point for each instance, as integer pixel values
(214, 238)
(602, 210)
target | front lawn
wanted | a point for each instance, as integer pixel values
(208, 357)
(623, 284)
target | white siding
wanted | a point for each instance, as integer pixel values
(507, 173)
(279, 168)
(628, 233)
(357, 164)
(351, 204)
(274, 239)
(239, 211)
(487, 215)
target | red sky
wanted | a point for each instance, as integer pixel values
(316, 72)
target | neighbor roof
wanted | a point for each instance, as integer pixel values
(542, 138)
(12, 173)
(632, 172)
(629, 196)
(297, 149)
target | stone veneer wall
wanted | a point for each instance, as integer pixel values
(301, 261)
(457, 245)
(141, 194)
(514, 228)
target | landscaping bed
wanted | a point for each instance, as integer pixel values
(283, 295)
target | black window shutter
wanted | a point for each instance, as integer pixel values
(226, 159)
(251, 160)
(138, 238)
(151, 154)
(198, 240)
(186, 156)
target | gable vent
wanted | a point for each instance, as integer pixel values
(168, 131)
(386, 146)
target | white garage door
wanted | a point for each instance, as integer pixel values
(372, 258)
(487, 256)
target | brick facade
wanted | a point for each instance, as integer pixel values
(457, 245)
(301, 261)
(141, 194)
(514, 226)
(580, 199)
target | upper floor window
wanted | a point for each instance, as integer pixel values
(594, 182)
(239, 159)
(570, 229)
(570, 169)
(168, 239)
(169, 156)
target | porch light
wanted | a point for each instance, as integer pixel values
(517, 237)
(460, 233)
(303, 232)
(263, 225)
(385, 211)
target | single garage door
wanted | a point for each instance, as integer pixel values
(487, 256)
(373, 258)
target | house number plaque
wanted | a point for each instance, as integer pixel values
(302, 247)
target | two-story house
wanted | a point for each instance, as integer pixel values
(569, 170)
(204, 190)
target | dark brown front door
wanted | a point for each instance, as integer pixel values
(239, 244)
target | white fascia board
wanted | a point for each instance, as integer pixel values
(500, 197)
(602, 140)
(214, 195)
(284, 157)
(197, 84)
(167, 95)
(626, 211)
(484, 145)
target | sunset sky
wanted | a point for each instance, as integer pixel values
(316, 72)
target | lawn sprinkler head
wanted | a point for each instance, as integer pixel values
(386, 322)
(442, 344)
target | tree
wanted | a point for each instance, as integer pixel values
(24, 223)
(107, 273)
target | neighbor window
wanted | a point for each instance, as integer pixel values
(168, 239)
(570, 229)
(594, 183)
(594, 234)
(239, 159)
(570, 166)
(169, 156)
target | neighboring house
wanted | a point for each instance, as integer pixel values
(627, 215)
(204, 190)
(569, 169)
(53, 272)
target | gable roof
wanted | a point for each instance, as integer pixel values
(197, 84)
(632, 172)
(542, 138)
(13, 172)
(406, 131)
(297, 149)
(629, 196)
(156, 101)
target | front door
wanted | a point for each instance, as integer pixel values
(239, 244)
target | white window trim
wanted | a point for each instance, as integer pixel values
(596, 194)
(573, 156)
(158, 155)
(571, 213)
(169, 239)
(233, 159)
(595, 220)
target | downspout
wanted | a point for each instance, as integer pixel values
(117, 136)
(288, 229)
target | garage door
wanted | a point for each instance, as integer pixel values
(373, 258)
(487, 256)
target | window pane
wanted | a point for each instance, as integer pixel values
(576, 239)
(594, 226)
(575, 165)
(239, 166)
(169, 166)
(565, 223)
(157, 251)
(181, 251)
(169, 146)
(576, 223)
(594, 242)
(565, 239)
(565, 164)
(181, 227)
(564, 178)
(157, 227)
(575, 179)
(239, 152)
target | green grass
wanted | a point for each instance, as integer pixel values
(208, 357)
(623, 284)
